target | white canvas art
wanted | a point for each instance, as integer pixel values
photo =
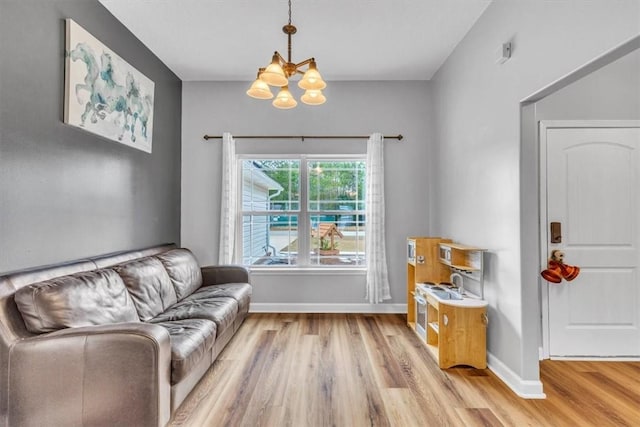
(104, 94)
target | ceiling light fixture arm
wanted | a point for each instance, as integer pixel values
(289, 67)
(280, 58)
(303, 63)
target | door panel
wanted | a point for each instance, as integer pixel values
(599, 194)
(592, 189)
(589, 306)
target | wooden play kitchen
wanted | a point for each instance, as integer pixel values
(450, 320)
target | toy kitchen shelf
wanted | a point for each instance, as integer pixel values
(465, 260)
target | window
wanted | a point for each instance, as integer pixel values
(303, 212)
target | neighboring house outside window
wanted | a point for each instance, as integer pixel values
(302, 211)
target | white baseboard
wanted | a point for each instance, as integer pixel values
(265, 307)
(544, 356)
(527, 389)
(597, 359)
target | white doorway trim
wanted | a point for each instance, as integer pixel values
(544, 125)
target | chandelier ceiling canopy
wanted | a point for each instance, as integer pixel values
(278, 73)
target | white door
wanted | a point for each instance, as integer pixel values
(592, 187)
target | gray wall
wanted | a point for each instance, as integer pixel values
(478, 147)
(352, 108)
(608, 93)
(65, 193)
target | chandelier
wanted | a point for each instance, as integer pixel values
(280, 71)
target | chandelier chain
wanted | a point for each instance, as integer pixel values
(289, 12)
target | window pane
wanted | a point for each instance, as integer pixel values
(337, 244)
(269, 240)
(273, 216)
(336, 185)
(270, 185)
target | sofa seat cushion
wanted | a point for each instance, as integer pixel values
(191, 341)
(149, 285)
(97, 297)
(221, 310)
(241, 292)
(183, 269)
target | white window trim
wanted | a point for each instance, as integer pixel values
(304, 233)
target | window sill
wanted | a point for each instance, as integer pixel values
(301, 271)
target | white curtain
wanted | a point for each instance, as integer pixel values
(375, 247)
(229, 196)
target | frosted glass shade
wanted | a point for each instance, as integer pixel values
(259, 90)
(274, 74)
(312, 80)
(313, 97)
(284, 100)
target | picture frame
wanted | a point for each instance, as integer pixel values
(104, 94)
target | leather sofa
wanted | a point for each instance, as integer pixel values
(119, 339)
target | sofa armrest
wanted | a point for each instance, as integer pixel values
(115, 374)
(220, 274)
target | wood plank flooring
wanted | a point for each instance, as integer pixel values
(371, 370)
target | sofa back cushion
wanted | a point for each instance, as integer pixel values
(149, 285)
(183, 269)
(89, 298)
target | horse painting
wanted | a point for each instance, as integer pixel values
(139, 106)
(110, 97)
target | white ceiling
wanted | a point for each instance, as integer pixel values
(350, 39)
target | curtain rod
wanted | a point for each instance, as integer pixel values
(303, 137)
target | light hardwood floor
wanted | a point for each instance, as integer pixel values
(370, 370)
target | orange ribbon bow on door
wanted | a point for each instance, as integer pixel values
(558, 270)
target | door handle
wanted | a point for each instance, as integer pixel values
(556, 232)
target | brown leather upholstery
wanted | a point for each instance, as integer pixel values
(183, 270)
(109, 260)
(116, 370)
(221, 310)
(12, 327)
(191, 340)
(149, 286)
(96, 297)
(100, 375)
(241, 292)
(221, 274)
